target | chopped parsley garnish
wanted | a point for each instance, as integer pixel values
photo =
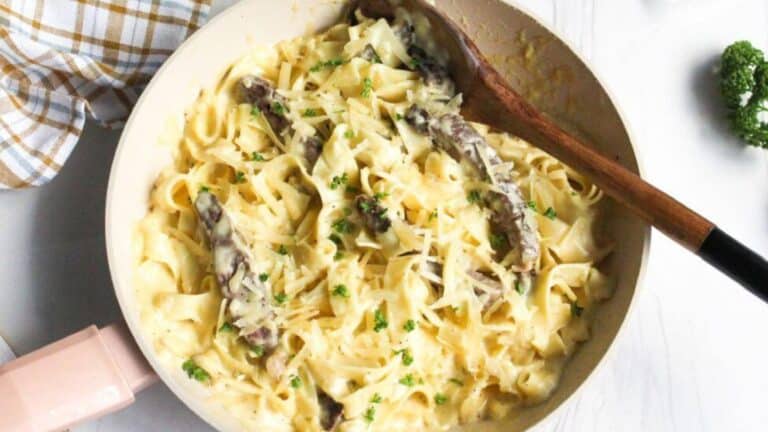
(370, 413)
(415, 62)
(409, 325)
(257, 350)
(433, 215)
(407, 381)
(257, 157)
(278, 108)
(406, 355)
(497, 241)
(226, 328)
(309, 112)
(367, 87)
(532, 205)
(338, 181)
(335, 238)
(281, 298)
(338, 255)
(376, 58)
(365, 206)
(263, 277)
(379, 322)
(398, 117)
(378, 196)
(519, 288)
(239, 177)
(576, 310)
(295, 381)
(440, 398)
(255, 111)
(351, 189)
(194, 371)
(327, 65)
(376, 398)
(343, 226)
(347, 211)
(282, 250)
(550, 213)
(456, 381)
(474, 196)
(204, 189)
(349, 134)
(340, 290)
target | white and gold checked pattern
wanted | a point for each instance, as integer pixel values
(61, 59)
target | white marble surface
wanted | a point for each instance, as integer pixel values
(691, 357)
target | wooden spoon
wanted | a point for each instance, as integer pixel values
(489, 99)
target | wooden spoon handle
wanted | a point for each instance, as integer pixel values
(509, 111)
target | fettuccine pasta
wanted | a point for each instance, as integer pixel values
(389, 299)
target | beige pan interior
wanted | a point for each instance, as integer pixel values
(536, 62)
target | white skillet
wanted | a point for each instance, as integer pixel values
(97, 371)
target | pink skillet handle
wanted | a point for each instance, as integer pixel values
(83, 376)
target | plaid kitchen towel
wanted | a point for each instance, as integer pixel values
(61, 59)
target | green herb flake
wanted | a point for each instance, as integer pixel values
(440, 398)
(351, 189)
(255, 111)
(343, 226)
(379, 321)
(398, 117)
(415, 63)
(349, 134)
(367, 87)
(295, 381)
(376, 398)
(378, 196)
(277, 108)
(281, 298)
(257, 350)
(519, 288)
(407, 381)
(204, 189)
(497, 241)
(309, 112)
(257, 157)
(532, 205)
(337, 181)
(338, 255)
(326, 65)
(407, 357)
(226, 328)
(456, 381)
(239, 177)
(335, 238)
(282, 250)
(370, 413)
(263, 277)
(550, 213)
(409, 325)
(340, 290)
(194, 371)
(576, 310)
(433, 215)
(474, 196)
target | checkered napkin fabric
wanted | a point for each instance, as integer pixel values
(61, 60)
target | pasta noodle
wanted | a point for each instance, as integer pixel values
(425, 325)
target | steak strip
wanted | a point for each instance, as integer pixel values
(249, 298)
(509, 210)
(261, 94)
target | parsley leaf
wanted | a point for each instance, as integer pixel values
(204, 189)
(349, 134)
(433, 215)
(226, 328)
(255, 111)
(519, 288)
(370, 413)
(440, 398)
(326, 65)
(257, 157)
(497, 241)
(278, 108)
(474, 196)
(343, 226)
(309, 112)
(407, 357)
(257, 350)
(367, 87)
(338, 255)
(409, 325)
(282, 250)
(378, 196)
(337, 181)
(281, 298)
(407, 381)
(379, 321)
(550, 213)
(194, 371)
(263, 277)
(376, 398)
(239, 177)
(295, 381)
(457, 381)
(341, 290)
